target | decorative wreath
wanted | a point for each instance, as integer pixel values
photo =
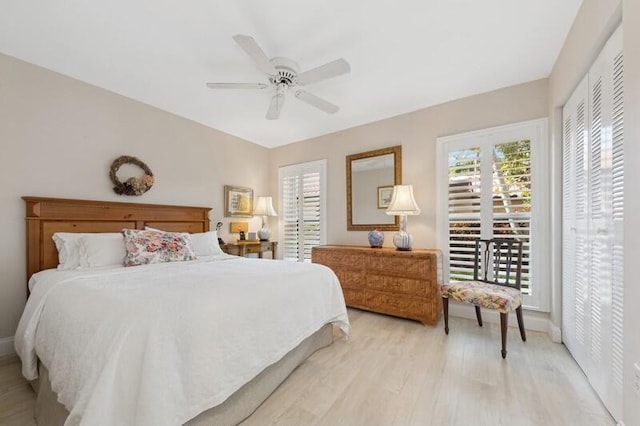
(133, 185)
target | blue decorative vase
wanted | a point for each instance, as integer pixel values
(376, 238)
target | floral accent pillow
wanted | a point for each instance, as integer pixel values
(146, 246)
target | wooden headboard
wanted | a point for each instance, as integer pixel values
(45, 216)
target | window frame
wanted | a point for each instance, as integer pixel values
(537, 132)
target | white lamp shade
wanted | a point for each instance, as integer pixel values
(264, 207)
(402, 201)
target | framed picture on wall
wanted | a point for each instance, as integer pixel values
(384, 196)
(238, 201)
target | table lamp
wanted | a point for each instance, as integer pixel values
(403, 204)
(264, 208)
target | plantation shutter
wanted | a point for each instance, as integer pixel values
(290, 217)
(302, 203)
(311, 213)
(489, 194)
(464, 202)
(511, 198)
(593, 189)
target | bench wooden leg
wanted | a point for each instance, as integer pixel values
(504, 319)
(521, 323)
(445, 311)
(478, 315)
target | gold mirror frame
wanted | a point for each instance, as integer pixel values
(397, 173)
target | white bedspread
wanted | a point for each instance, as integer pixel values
(159, 344)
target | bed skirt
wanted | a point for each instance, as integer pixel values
(239, 406)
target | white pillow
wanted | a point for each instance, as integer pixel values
(68, 245)
(99, 250)
(202, 243)
(206, 244)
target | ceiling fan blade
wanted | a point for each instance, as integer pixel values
(275, 107)
(317, 102)
(324, 72)
(236, 85)
(250, 46)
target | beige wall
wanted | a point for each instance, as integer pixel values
(417, 133)
(58, 138)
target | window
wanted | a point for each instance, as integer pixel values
(490, 185)
(302, 203)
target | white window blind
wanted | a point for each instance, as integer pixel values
(489, 187)
(302, 203)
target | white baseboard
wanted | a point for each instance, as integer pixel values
(6, 346)
(555, 333)
(535, 321)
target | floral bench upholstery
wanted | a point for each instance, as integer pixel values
(492, 296)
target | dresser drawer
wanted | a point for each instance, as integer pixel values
(350, 279)
(395, 304)
(401, 266)
(398, 285)
(338, 258)
(353, 297)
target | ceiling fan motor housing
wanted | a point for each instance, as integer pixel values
(287, 71)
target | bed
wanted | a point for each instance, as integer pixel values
(197, 342)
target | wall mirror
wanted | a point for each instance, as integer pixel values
(370, 179)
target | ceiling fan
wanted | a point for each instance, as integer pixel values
(283, 75)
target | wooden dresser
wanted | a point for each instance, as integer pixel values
(401, 283)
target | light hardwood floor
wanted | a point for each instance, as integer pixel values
(17, 399)
(399, 372)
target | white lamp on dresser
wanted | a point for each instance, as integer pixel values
(403, 204)
(264, 208)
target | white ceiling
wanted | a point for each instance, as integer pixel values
(404, 55)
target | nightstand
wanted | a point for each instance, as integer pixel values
(243, 249)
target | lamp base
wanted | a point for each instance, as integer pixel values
(403, 241)
(264, 234)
